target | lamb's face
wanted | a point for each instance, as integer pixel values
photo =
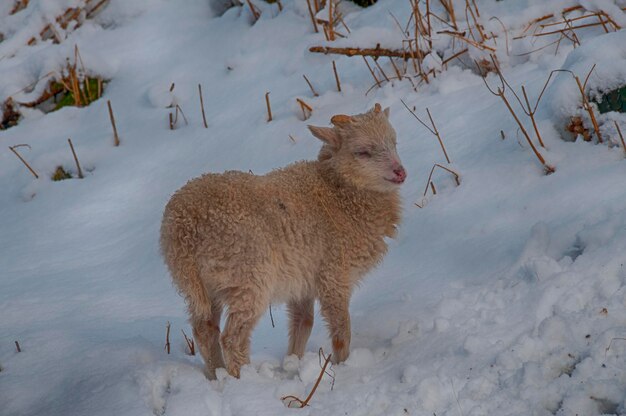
(363, 149)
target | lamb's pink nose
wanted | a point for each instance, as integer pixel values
(400, 174)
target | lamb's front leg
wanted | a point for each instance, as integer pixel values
(334, 305)
(301, 322)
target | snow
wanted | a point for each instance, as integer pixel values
(503, 296)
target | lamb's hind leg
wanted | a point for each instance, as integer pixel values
(246, 305)
(301, 322)
(206, 331)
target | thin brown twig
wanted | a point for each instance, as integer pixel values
(305, 107)
(620, 136)
(531, 114)
(269, 108)
(445, 153)
(315, 94)
(336, 77)
(572, 28)
(371, 72)
(433, 130)
(457, 178)
(305, 402)
(500, 92)
(116, 138)
(395, 68)
(380, 69)
(12, 148)
(167, 337)
(190, 343)
(308, 2)
(206, 126)
(331, 25)
(373, 52)
(255, 12)
(80, 171)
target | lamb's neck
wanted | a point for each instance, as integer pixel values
(373, 211)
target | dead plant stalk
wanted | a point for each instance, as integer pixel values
(269, 108)
(305, 402)
(206, 126)
(308, 3)
(500, 92)
(167, 337)
(116, 138)
(315, 94)
(430, 178)
(190, 343)
(620, 136)
(12, 148)
(80, 171)
(336, 77)
(433, 130)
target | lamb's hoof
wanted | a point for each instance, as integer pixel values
(341, 351)
(209, 373)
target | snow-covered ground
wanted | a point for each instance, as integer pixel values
(505, 295)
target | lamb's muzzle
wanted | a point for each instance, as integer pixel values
(306, 232)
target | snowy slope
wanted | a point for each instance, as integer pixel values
(503, 296)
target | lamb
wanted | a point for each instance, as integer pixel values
(308, 231)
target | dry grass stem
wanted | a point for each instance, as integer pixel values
(80, 171)
(19, 5)
(380, 69)
(373, 52)
(307, 110)
(456, 55)
(315, 94)
(12, 148)
(305, 402)
(336, 77)
(586, 105)
(255, 13)
(430, 184)
(371, 71)
(500, 92)
(174, 120)
(269, 108)
(167, 337)
(395, 68)
(621, 137)
(308, 2)
(206, 126)
(331, 24)
(116, 138)
(433, 130)
(190, 343)
(531, 114)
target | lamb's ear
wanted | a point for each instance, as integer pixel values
(327, 135)
(386, 111)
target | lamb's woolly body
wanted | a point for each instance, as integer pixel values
(297, 234)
